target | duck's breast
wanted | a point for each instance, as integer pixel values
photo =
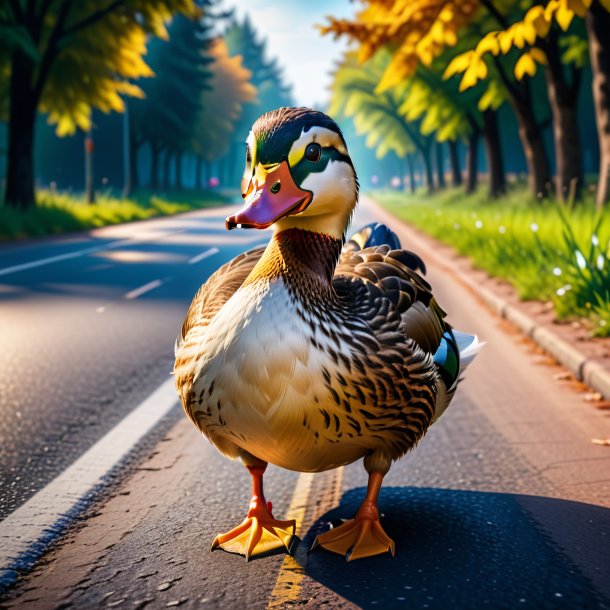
(260, 381)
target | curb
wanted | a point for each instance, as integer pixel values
(589, 372)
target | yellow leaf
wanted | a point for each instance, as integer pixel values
(476, 71)
(458, 64)
(518, 38)
(564, 16)
(537, 17)
(538, 55)
(529, 32)
(450, 38)
(525, 65)
(578, 7)
(605, 4)
(394, 74)
(550, 9)
(505, 40)
(489, 43)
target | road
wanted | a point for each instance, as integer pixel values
(504, 504)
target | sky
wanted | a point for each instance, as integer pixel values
(289, 28)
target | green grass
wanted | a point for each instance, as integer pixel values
(57, 213)
(545, 250)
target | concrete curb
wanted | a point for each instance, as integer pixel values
(589, 372)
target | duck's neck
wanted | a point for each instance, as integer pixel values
(304, 260)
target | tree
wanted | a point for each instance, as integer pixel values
(222, 104)
(267, 77)
(64, 57)
(417, 32)
(539, 33)
(380, 116)
(168, 115)
(451, 116)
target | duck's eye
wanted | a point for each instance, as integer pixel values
(248, 157)
(313, 152)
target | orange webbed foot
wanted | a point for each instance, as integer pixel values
(258, 533)
(356, 538)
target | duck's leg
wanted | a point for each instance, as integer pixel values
(363, 535)
(259, 532)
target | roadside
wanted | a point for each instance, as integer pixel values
(570, 343)
(63, 213)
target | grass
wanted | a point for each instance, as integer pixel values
(57, 213)
(546, 250)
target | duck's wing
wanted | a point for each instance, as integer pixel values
(380, 271)
(219, 288)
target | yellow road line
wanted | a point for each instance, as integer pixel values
(288, 584)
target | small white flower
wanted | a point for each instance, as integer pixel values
(580, 259)
(456, 225)
(478, 224)
(557, 271)
(594, 240)
(602, 322)
(534, 227)
(502, 229)
(560, 292)
(601, 261)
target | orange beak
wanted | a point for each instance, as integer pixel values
(277, 196)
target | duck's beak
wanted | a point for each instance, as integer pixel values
(270, 196)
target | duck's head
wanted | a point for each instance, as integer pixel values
(298, 174)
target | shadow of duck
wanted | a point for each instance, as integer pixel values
(470, 549)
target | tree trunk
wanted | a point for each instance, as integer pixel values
(154, 165)
(563, 99)
(206, 174)
(134, 147)
(598, 26)
(21, 130)
(89, 178)
(456, 172)
(178, 177)
(198, 172)
(425, 154)
(167, 162)
(493, 150)
(472, 162)
(440, 165)
(539, 175)
(411, 169)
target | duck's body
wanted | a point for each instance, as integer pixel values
(310, 356)
(304, 368)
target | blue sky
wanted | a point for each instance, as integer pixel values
(289, 27)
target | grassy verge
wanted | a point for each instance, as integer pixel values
(57, 213)
(545, 250)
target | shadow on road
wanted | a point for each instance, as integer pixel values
(465, 549)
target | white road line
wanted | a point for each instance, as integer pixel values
(27, 532)
(203, 255)
(138, 292)
(62, 257)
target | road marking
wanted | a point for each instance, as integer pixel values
(28, 531)
(290, 577)
(203, 255)
(138, 292)
(62, 257)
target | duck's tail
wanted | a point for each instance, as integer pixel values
(455, 352)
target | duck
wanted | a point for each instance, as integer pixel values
(314, 351)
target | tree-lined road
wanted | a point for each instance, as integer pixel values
(503, 504)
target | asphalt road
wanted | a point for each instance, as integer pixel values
(504, 504)
(79, 348)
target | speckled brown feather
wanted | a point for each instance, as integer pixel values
(374, 323)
